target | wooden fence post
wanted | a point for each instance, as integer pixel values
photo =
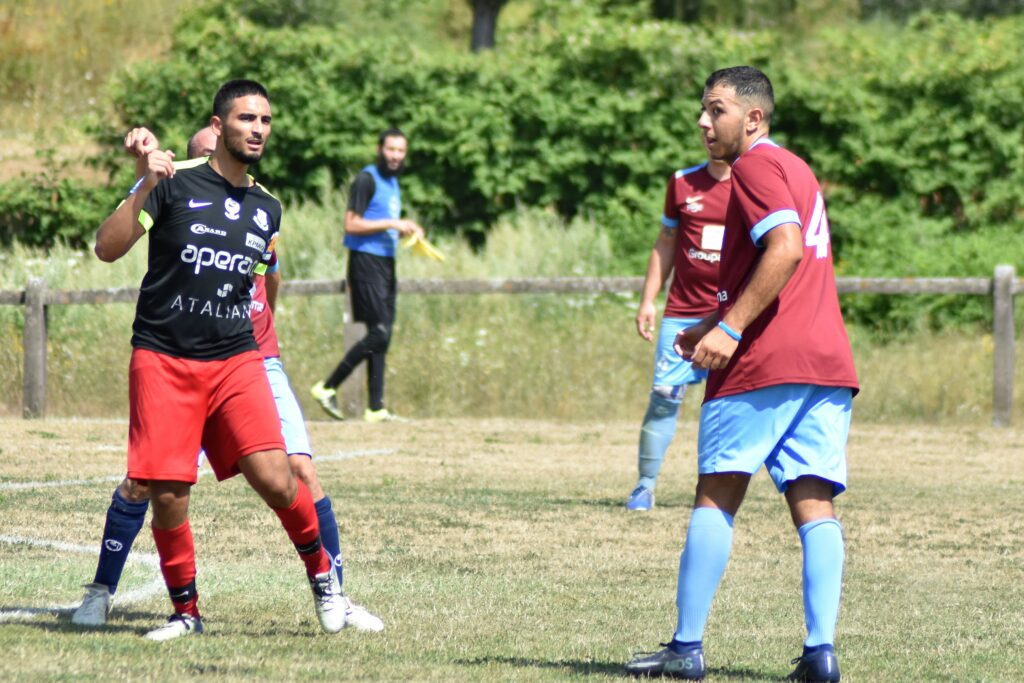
(1003, 351)
(353, 389)
(34, 340)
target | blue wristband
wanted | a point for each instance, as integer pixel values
(729, 331)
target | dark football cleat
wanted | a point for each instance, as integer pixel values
(818, 664)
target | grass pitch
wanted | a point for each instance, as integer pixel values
(499, 551)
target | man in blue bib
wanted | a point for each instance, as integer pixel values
(373, 225)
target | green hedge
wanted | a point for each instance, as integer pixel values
(913, 130)
(44, 209)
(592, 124)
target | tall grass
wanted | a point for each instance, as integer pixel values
(57, 55)
(553, 356)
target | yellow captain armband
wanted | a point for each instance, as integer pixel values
(145, 220)
(260, 269)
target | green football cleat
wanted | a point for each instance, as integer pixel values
(328, 400)
(382, 415)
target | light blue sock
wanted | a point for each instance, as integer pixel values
(823, 578)
(708, 544)
(655, 436)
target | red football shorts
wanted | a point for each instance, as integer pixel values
(179, 405)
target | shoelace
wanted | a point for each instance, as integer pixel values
(179, 617)
(652, 652)
(322, 588)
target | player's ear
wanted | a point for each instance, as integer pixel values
(216, 124)
(753, 120)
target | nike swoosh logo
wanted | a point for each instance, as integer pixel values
(691, 200)
(193, 204)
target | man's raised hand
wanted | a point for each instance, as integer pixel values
(159, 164)
(140, 141)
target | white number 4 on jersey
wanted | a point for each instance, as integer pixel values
(817, 231)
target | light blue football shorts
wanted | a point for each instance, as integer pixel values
(794, 430)
(293, 427)
(670, 370)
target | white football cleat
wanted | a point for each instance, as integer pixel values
(330, 604)
(177, 626)
(95, 607)
(359, 618)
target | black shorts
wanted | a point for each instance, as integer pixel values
(373, 287)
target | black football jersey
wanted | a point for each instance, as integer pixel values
(205, 239)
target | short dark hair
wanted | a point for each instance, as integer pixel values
(389, 133)
(750, 85)
(231, 91)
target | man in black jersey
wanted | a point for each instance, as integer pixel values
(373, 224)
(196, 379)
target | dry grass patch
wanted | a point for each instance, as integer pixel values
(498, 550)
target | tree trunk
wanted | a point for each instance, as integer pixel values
(485, 23)
(686, 11)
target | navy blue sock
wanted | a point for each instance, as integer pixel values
(679, 647)
(124, 521)
(329, 533)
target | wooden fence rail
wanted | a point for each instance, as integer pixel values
(1002, 287)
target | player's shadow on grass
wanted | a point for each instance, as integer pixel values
(619, 503)
(137, 622)
(604, 668)
(576, 666)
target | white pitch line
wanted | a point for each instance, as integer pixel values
(127, 597)
(21, 485)
(348, 455)
(24, 485)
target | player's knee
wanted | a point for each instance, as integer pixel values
(270, 475)
(302, 468)
(170, 499)
(277, 492)
(665, 400)
(379, 338)
(134, 491)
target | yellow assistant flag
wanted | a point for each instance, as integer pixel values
(421, 247)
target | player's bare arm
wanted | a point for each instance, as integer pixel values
(659, 267)
(355, 224)
(121, 230)
(783, 251)
(273, 283)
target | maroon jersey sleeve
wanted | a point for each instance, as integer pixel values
(670, 215)
(763, 199)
